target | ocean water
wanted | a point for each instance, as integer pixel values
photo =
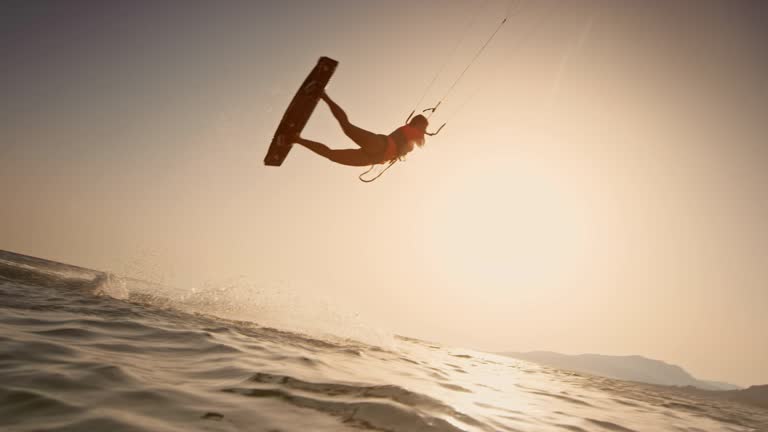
(84, 351)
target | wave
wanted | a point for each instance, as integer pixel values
(73, 358)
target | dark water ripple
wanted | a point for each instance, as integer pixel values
(74, 361)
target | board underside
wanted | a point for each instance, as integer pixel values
(300, 109)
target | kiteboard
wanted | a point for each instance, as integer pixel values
(300, 109)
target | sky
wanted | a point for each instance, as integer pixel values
(599, 187)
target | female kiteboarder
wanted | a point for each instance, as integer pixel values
(374, 148)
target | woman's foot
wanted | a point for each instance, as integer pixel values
(294, 138)
(287, 140)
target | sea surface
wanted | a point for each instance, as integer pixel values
(82, 350)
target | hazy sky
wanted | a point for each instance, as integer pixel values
(600, 187)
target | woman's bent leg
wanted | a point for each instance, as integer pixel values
(351, 157)
(365, 139)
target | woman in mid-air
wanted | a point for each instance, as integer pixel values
(374, 148)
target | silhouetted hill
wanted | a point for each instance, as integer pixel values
(628, 368)
(755, 395)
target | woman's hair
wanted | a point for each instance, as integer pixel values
(420, 122)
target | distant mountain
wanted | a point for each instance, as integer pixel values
(755, 395)
(717, 385)
(627, 368)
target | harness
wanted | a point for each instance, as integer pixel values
(397, 147)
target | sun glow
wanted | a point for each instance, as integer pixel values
(518, 225)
